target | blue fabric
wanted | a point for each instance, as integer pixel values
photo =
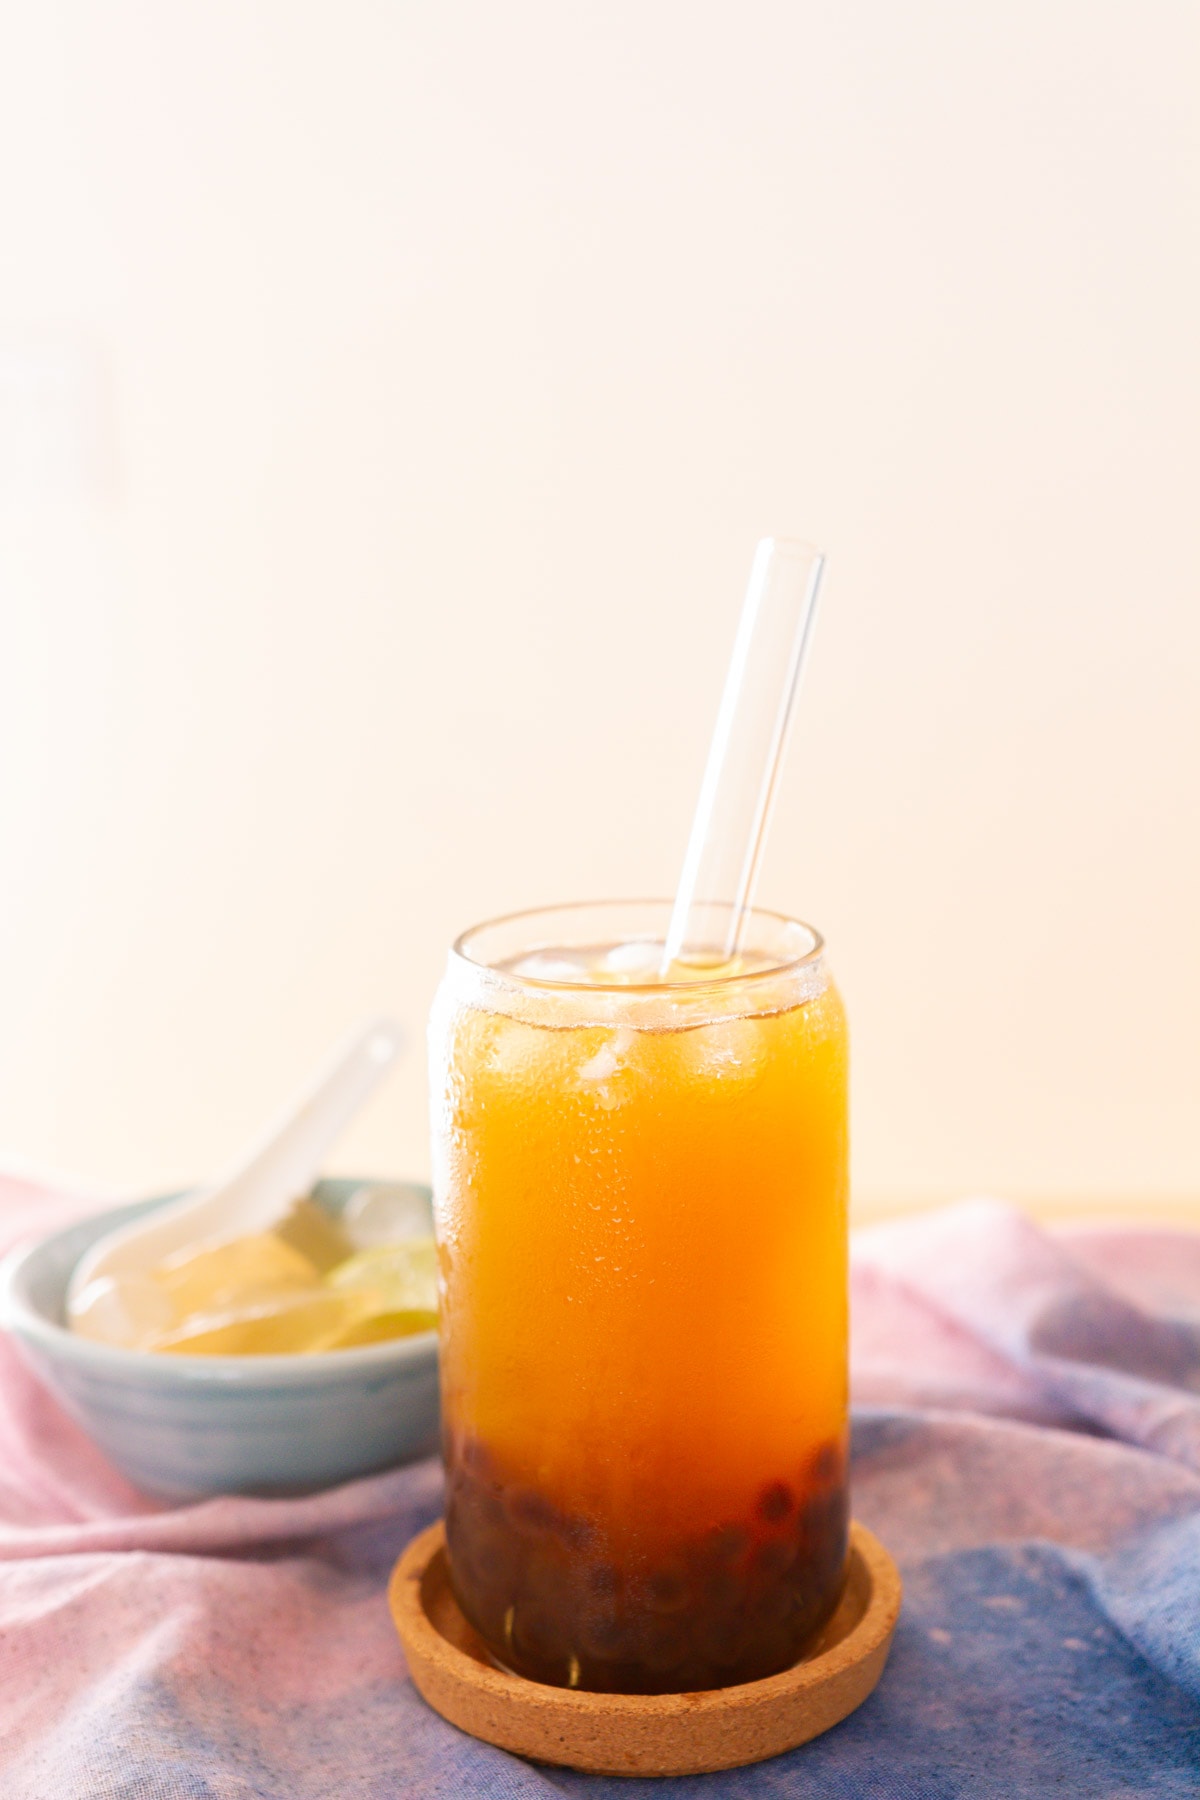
(1020, 1667)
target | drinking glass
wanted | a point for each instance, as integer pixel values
(640, 1190)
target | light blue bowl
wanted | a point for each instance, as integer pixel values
(190, 1426)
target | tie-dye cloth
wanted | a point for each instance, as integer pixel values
(1027, 1443)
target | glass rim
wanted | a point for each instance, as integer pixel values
(785, 965)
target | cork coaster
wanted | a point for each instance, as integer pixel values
(643, 1734)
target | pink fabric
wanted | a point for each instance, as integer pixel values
(111, 1602)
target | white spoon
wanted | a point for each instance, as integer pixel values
(257, 1194)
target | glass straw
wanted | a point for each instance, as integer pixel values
(740, 778)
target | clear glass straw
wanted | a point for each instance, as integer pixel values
(729, 828)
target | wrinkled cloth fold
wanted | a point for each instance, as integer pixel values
(1026, 1442)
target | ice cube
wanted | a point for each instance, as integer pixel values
(547, 966)
(610, 1060)
(730, 1051)
(508, 1048)
(384, 1212)
(633, 962)
(600, 1066)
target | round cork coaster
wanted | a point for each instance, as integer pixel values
(643, 1734)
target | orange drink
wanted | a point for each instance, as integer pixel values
(640, 1193)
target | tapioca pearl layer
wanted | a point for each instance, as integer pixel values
(738, 1602)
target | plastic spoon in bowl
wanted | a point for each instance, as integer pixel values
(257, 1194)
(729, 828)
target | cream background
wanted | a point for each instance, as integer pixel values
(394, 395)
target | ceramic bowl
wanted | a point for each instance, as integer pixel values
(191, 1426)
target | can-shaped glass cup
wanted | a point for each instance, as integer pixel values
(640, 1190)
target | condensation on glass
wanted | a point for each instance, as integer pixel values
(641, 1200)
